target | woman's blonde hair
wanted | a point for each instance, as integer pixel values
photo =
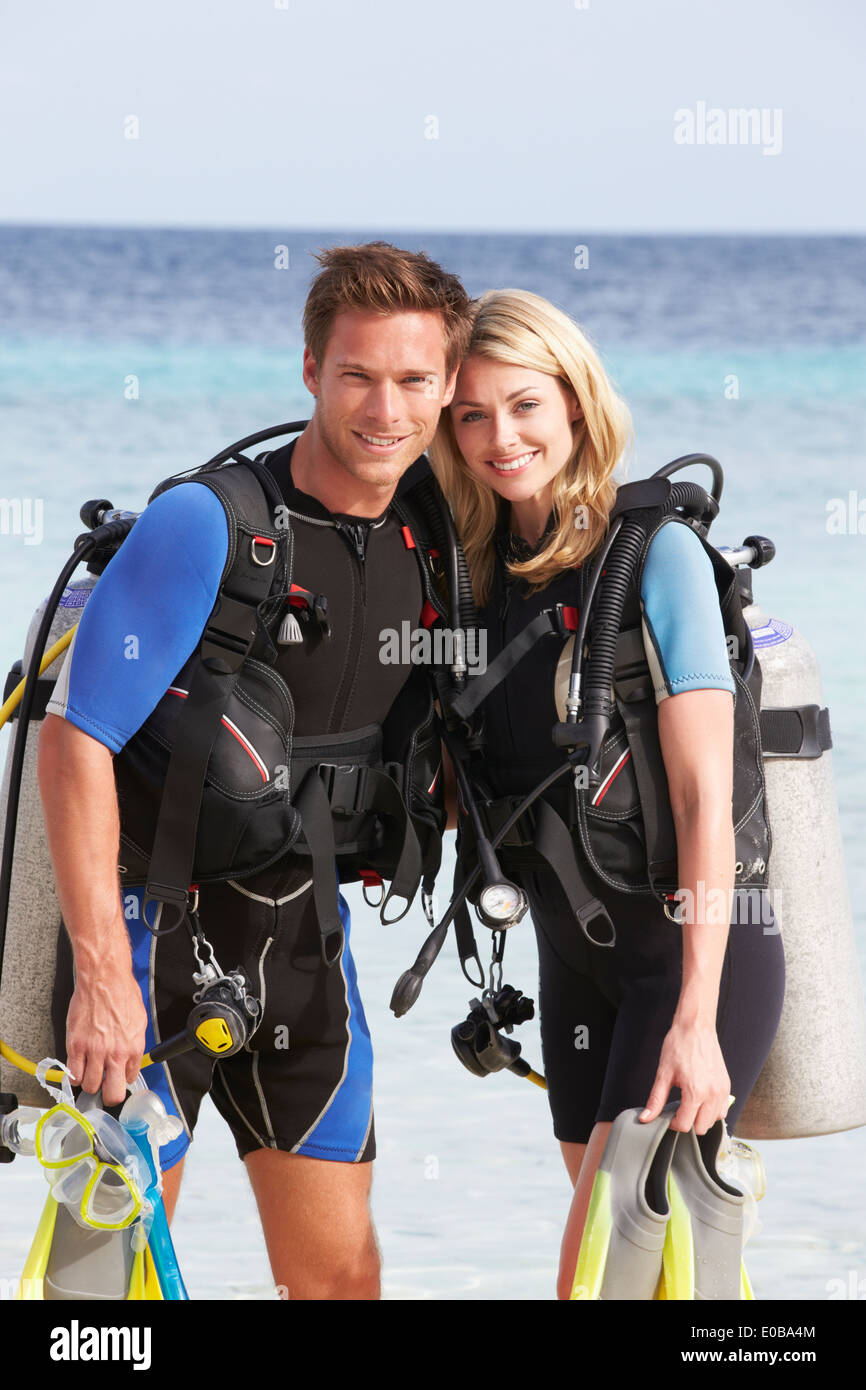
(525, 330)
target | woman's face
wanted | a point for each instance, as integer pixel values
(513, 426)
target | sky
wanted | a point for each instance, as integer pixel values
(459, 115)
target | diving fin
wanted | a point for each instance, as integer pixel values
(703, 1253)
(623, 1240)
(69, 1262)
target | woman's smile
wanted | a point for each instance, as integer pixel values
(515, 464)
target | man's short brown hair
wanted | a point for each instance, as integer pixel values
(383, 278)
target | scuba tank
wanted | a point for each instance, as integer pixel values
(28, 964)
(814, 1079)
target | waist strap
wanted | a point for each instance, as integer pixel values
(337, 791)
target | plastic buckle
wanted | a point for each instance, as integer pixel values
(557, 618)
(587, 914)
(332, 946)
(494, 814)
(345, 784)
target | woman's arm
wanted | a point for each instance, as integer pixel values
(696, 732)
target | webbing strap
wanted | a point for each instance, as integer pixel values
(519, 646)
(467, 946)
(227, 638)
(383, 795)
(171, 861)
(347, 791)
(318, 830)
(554, 843)
(641, 723)
(799, 731)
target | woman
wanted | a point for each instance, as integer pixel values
(525, 454)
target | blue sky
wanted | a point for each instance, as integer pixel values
(495, 115)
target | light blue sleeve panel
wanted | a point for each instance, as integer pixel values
(684, 634)
(145, 615)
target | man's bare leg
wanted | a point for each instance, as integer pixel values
(318, 1229)
(171, 1187)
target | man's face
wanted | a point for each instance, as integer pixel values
(380, 389)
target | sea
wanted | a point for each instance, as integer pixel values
(129, 354)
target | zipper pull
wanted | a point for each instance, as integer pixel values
(359, 536)
(357, 533)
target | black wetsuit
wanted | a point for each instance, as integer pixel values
(303, 1082)
(605, 1011)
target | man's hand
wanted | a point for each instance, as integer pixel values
(105, 1030)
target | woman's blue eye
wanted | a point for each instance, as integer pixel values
(473, 415)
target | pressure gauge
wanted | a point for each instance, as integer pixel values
(501, 905)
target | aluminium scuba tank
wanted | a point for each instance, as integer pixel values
(814, 1079)
(29, 958)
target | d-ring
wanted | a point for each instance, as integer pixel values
(263, 540)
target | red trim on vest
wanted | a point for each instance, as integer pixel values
(370, 878)
(570, 617)
(428, 614)
(299, 597)
(408, 538)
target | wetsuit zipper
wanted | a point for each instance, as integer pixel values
(356, 533)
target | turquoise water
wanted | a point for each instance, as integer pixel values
(468, 1171)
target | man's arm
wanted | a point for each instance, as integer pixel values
(143, 620)
(107, 1019)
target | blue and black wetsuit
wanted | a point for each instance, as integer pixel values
(303, 1082)
(605, 1012)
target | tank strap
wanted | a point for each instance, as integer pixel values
(44, 692)
(798, 731)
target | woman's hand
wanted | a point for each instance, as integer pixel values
(691, 1059)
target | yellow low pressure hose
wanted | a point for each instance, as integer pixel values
(7, 708)
(24, 1064)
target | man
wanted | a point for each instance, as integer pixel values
(384, 333)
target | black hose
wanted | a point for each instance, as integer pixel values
(690, 461)
(260, 437)
(618, 558)
(596, 706)
(443, 533)
(408, 987)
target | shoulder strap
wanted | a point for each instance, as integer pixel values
(258, 568)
